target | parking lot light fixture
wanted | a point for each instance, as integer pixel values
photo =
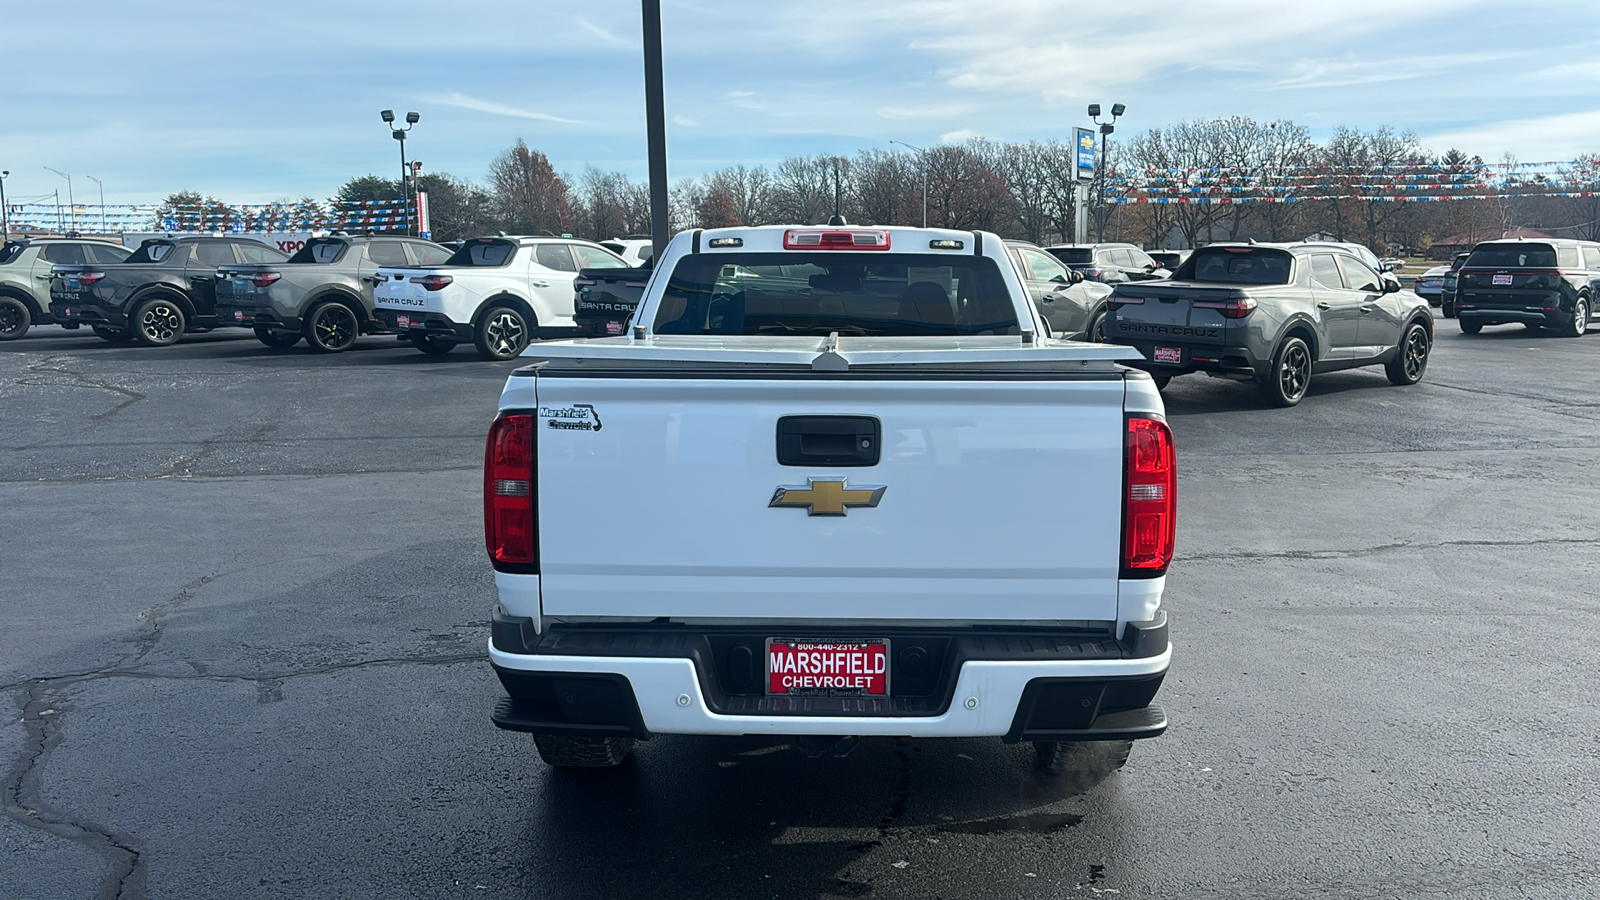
(72, 211)
(1106, 128)
(102, 202)
(399, 134)
(922, 157)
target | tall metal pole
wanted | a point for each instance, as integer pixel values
(403, 192)
(102, 203)
(655, 123)
(1105, 187)
(5, 212)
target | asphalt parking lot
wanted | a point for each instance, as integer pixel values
(245, 603)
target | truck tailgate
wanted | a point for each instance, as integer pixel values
(1168, 311)
(997, 494)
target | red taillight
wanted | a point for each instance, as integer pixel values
(1150, 506)
(807, 239)
(508, 494)
(89, 278)
(432, 282)
(1236, 308)
(262, 279)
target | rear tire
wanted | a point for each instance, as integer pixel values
(433, 345)
(112, 335)
(1286, 382)
(332, 328)
(277, 340)
(1449, 310)
(1096, 332)
(1058, 757)
(565, 751)
(158, 323)
(503, 333)
(1416, 345)
(1471, 326)
(1579, 323)
(15, 318)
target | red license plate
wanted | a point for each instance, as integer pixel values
(615, 327)
(238, 315)
(830, 667)
(1502, 279)
(402, 321)
(1169, 355)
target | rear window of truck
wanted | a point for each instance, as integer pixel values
(1074, 256)
(1237, 265)
(1513, 256)
(823, 292)
(319, 250)
(483, 252)
(156, 252)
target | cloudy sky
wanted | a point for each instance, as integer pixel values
(258, 101)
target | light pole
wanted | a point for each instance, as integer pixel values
(399, 134)
(5, 212)
(102, 203)
(1106, 128)
(922, 157)
(71, 208)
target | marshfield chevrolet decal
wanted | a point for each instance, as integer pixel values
(577, 417)
(828, 496)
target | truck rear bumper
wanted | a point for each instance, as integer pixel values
(1059, 694)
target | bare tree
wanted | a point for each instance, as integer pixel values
(530, 196)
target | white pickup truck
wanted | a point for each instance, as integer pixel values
(835, 482)
(497, 292)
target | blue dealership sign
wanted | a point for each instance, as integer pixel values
(1083, 138)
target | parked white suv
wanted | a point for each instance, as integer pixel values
(498, 292)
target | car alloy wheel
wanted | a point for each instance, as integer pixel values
(14, 319)
(334, 327)
(160, 322)
(503, 334)
(1411, 360)
(1294, 371)
(1580, 318)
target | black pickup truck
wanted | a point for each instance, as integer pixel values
(607, 298)
(167, 287)
(323, 293)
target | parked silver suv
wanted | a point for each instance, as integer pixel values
(25, 277)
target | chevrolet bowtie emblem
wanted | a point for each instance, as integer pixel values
(827, 496)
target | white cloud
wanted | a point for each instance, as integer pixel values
(606, 36)
(462, 101)
(1561, 136)
(685, 121)
(957, 136)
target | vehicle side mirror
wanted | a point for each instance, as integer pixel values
(1076, 276)
(1391, 286)
(1060, 279)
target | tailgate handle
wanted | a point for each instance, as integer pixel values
(829, 440)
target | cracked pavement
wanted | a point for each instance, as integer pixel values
(246, 604)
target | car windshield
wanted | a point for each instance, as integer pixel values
(319, 250)
(1513, 256)
(483, 252)
(11, 251)
(1073, 256)
(152, 252)
(1237, 265)
(822, 292)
